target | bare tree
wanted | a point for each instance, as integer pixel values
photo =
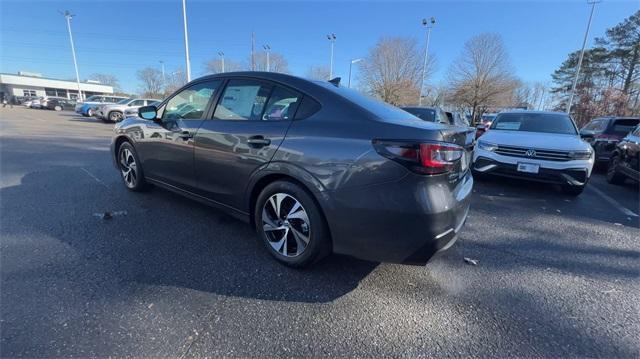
(277, 62)
(214, 66)
(107, 79)
(318, 73)
(392, 70)
(174, 80)
(482, 76)
(151, 82)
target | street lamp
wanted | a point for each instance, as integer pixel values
(331, 37)
(164, 79)
(429, 25)
(221, 59)
(186, 40)
(354, 61)
(584, 43)
(68, 15)
(267, 49)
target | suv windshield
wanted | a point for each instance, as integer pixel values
(622, 127)
(426, 114)
(535, 122)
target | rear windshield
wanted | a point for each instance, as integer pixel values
(622, 127)
(535, 122)
(379, 108)
(426, 114)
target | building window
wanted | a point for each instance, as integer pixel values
(61, 93)
(50, 92)
(29, 93)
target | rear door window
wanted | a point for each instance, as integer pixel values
(282, 105)
(622, 127)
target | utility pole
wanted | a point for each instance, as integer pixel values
(68, 15)
(267, 49)
(164, 79)
(429, 25)
(332, 38)
(221, 59)
(584, 43)
(253, 45)
(186, 40)
(351, 65)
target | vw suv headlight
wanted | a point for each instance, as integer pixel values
(487, 146)
(581, 155)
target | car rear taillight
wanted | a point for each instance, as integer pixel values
(424, 158)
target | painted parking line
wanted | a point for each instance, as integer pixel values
(612, 201)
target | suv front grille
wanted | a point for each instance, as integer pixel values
(533, 153)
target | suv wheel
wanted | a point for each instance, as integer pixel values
(130, 168)
(115, 116)
(57, 108)
(290, 225)
(90, 112)
(613, 176)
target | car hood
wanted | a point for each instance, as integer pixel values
(550, 141)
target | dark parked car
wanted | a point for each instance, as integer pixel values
(604, 133)
(314, 167)
(59, 104)
(625, 159)
(430, 114)
(485, 123)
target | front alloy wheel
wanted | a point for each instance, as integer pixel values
(286, 225)
(128, 168)
(115, 116)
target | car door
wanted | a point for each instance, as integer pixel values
(246, 128)
(166, 148)
(630, 147)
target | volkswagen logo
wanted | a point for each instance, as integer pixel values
(530, 153)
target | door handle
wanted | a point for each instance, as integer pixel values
(185, 135)
(258, 141)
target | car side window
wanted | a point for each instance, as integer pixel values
(191, 102)
(243, 100)
(282, 105)
(137, 103)
(307, 108)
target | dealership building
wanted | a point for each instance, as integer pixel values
(26, 84)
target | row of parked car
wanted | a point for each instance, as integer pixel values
(548, 147)
(112, 108)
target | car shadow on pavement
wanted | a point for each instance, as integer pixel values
(163, 239)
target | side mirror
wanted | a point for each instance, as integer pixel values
(148, 112)
(586, 134)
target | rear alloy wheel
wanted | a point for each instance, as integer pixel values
(613, 176)
(290, 225)
(57, 108)
(130, 169)
(115, 116)
(90, 112)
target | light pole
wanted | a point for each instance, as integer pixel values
(68, 15)
(186, 40)
(584, 43)
(354, 61)
(164, 79)
(429, 25)
(267, 49)
(331, 37)
(221, 59)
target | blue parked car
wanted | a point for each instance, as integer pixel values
(88, 107)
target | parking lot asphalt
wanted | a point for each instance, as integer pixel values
(557, 276)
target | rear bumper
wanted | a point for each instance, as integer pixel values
(407, 221)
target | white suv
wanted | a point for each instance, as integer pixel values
(535, 145)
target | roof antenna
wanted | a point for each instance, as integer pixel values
(335, 81)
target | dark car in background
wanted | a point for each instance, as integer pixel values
(314, 167)
(625, 159)
(429, 114)
(485, 123)
(60, 104)
(604, 133)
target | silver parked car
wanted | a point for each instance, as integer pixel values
(115, 112)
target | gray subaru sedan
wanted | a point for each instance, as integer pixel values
(314, 167)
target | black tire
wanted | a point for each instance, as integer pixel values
(139, 183)
(613, 176)
(572, 190)
(57, 108)
(90, 113)
(319, 243)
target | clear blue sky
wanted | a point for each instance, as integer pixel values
(120, 37)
